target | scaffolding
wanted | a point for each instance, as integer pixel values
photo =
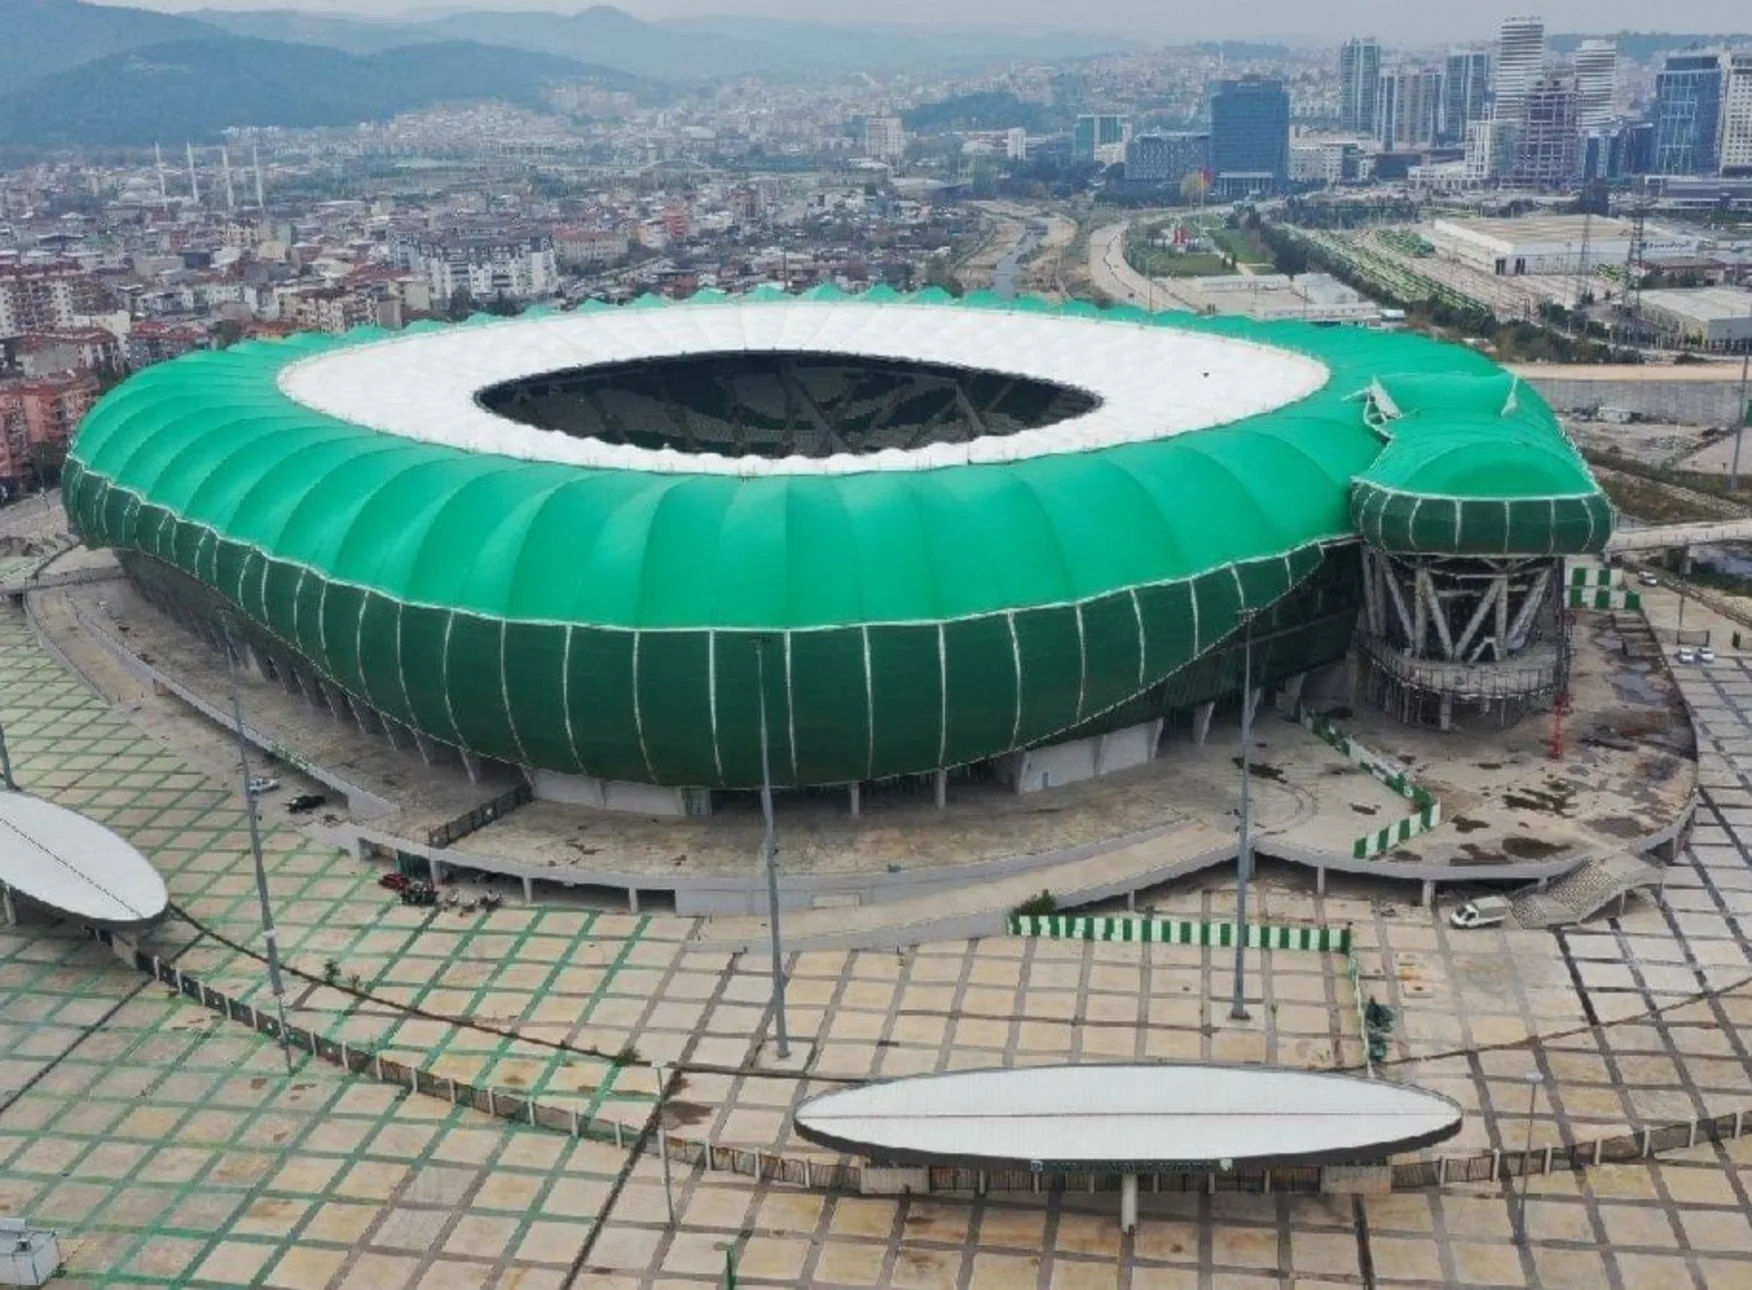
(1447, 634)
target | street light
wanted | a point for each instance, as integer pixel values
(269, 934)
(662, 1073)
(769, 849)
(1534, 1080)
(1745, 407)
(1244, 849)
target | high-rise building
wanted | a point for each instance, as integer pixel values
(1250, 135)
(1359, 75)
(1408, 107)
(1596, 83)
(1166, 158)
(1546, 153)
(1016, 143)
(1520, 61)
(884, 138)
(1465, 92)
(1094, 132)
(1688, 113)
(1736, 157)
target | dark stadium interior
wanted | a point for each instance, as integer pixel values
(783, 405)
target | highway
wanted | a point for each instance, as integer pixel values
(1117, 280)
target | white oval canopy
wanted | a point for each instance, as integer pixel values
(1129, 1117)
(75, 866)
(1151, 382)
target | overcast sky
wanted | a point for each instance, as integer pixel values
(1171, 22)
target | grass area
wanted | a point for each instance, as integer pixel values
(1243, 246)
(1146, 257)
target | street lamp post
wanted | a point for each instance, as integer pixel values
(269, 934)
(1244, 850)
(769, 848)
(662, 1073)
(1745, 410)
(1534, 1080)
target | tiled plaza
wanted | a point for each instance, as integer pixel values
(170, 1147)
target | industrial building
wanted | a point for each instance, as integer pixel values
(1550, 244)
(649, 554)
(1716, 318)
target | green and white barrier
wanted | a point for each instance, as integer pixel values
(1382, 840)
(1389, 773)
(1604, 598)
(1429, 810)
(1179, 931)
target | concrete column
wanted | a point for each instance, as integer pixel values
(942, 789)
(854, 793)
(1429, 893)
(1320, 881)
(6, 905)
(529, 891)
(632, 900)
(434, 871)
(1291, 693)
(1201, 722)
(1445, 715)
(1128, 1203)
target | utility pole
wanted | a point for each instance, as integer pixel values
(769, 849)
(1745, 407)
(275, 982)
(6, 763)
(1244, 852)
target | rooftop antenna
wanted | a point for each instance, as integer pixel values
(255, 156)
(194, 182)
(225, 165)
(163, 188)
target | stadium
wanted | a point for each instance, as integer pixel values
(837, 540)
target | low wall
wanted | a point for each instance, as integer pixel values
(1692, 403)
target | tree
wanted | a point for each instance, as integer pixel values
(1193, 189)
(461, 304)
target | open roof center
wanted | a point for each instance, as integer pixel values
(783, 404)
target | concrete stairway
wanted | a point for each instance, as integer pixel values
(1585, 891)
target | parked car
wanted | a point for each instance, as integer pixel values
(1647, 579)
(1486, 911)
(306, 802)
(1687, 655)
(259, 784)
(1705, 654)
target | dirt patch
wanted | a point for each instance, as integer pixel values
(1553, 799)
(1617, 826)
(683, 1115)
(1475, 854)
(1260, 770)
(1525, 848)
(1365, 810)
(1466, 825)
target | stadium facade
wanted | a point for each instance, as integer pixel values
(914, 533)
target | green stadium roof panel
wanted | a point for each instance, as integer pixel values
(1125, 491)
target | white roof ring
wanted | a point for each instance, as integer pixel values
(1150, 382)
(1129, 1118)
(74, 866)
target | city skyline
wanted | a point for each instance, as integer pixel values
(1271, 20)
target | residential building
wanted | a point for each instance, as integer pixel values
(159, 340)
(1408, 108)
(574, 247)
(1546, 152)
(1736, 143)
(1688, 113)
(46, 297)
(1167, 158)
(1596, 83)
(1520, 61)
(516, 266)
(1095, 131)
(1490, 149)
(1465, 92)
(37, 418)
(1359, 75)
(1250, 135)
(80, 349)
(1016, 144)
(884, 138)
